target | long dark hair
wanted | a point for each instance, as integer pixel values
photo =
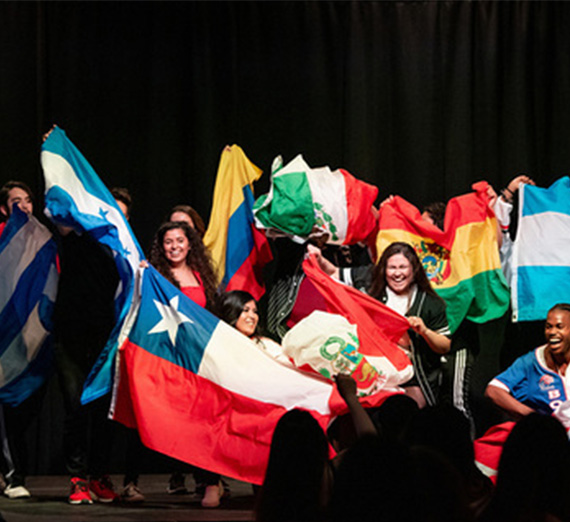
(378, 286)
(231, 307)
(198, 258)
(292, 489)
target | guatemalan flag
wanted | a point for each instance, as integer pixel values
(239, 250)
(77, 198)
(200, 391)
(28, 286)
(541, 251)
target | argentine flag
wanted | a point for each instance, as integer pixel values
(77, 198)
(541, 252)
(28, 285)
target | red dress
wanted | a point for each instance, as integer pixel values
(196, 293)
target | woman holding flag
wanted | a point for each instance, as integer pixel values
(399, 281)
(179, 255)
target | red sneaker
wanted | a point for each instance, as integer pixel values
(79, 492)
(103, 490)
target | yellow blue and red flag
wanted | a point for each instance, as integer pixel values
(238, 248)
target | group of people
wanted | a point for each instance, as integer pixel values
(84, 317)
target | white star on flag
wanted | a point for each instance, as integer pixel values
(171, 319)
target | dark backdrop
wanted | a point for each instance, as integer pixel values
(419, 98)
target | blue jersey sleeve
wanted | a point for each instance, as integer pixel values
(516, 377)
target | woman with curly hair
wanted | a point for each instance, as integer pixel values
(179, 255)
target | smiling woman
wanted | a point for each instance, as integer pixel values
(535, 381)
(179, 255)
(239, 309)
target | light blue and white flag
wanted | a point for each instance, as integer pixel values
(77, 198)
(28, 285)
(541, 253)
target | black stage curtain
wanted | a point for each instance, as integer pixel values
(419, 98)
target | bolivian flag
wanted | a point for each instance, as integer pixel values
(461, 261)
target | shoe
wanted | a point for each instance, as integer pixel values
(79, 492)
(176, 484)
(212, 496)
(132, 494)
(102, 490)
(16, 492)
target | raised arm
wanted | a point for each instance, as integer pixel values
(326, 266)
(347, 388)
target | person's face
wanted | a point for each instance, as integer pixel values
(21, 198)
(176, 246)
(426, 216)
(182, 216)
(557, 332)
(248, 319)
(123, 208)
(399, 273)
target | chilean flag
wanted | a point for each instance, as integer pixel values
(198, 390)
(239, 250)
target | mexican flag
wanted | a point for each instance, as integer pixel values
(461, 261)
(303, 200)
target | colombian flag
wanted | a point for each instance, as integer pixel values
(239, 250)
(461, 261)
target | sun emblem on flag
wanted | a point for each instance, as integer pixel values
(435, 260)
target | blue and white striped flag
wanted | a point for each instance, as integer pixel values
(541, 253)
(77, 198)
(28, 285)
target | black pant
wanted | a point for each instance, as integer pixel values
(88, 433)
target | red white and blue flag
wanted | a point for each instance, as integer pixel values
(198, 390)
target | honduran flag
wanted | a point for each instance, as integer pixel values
(302, 199)
(77, 198)
(379, 327)
(541, 251)
(462, 261)
(198, 390)
(28, 286)
(239, 250)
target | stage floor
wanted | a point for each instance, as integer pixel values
(49, 503)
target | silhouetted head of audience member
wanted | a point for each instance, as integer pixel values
(393, 417)
(295, 482)
(446, 430)
(373, 483)
(437, 491)
(533, 476)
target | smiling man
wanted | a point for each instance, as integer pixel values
(14, 193)
(535, 381)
